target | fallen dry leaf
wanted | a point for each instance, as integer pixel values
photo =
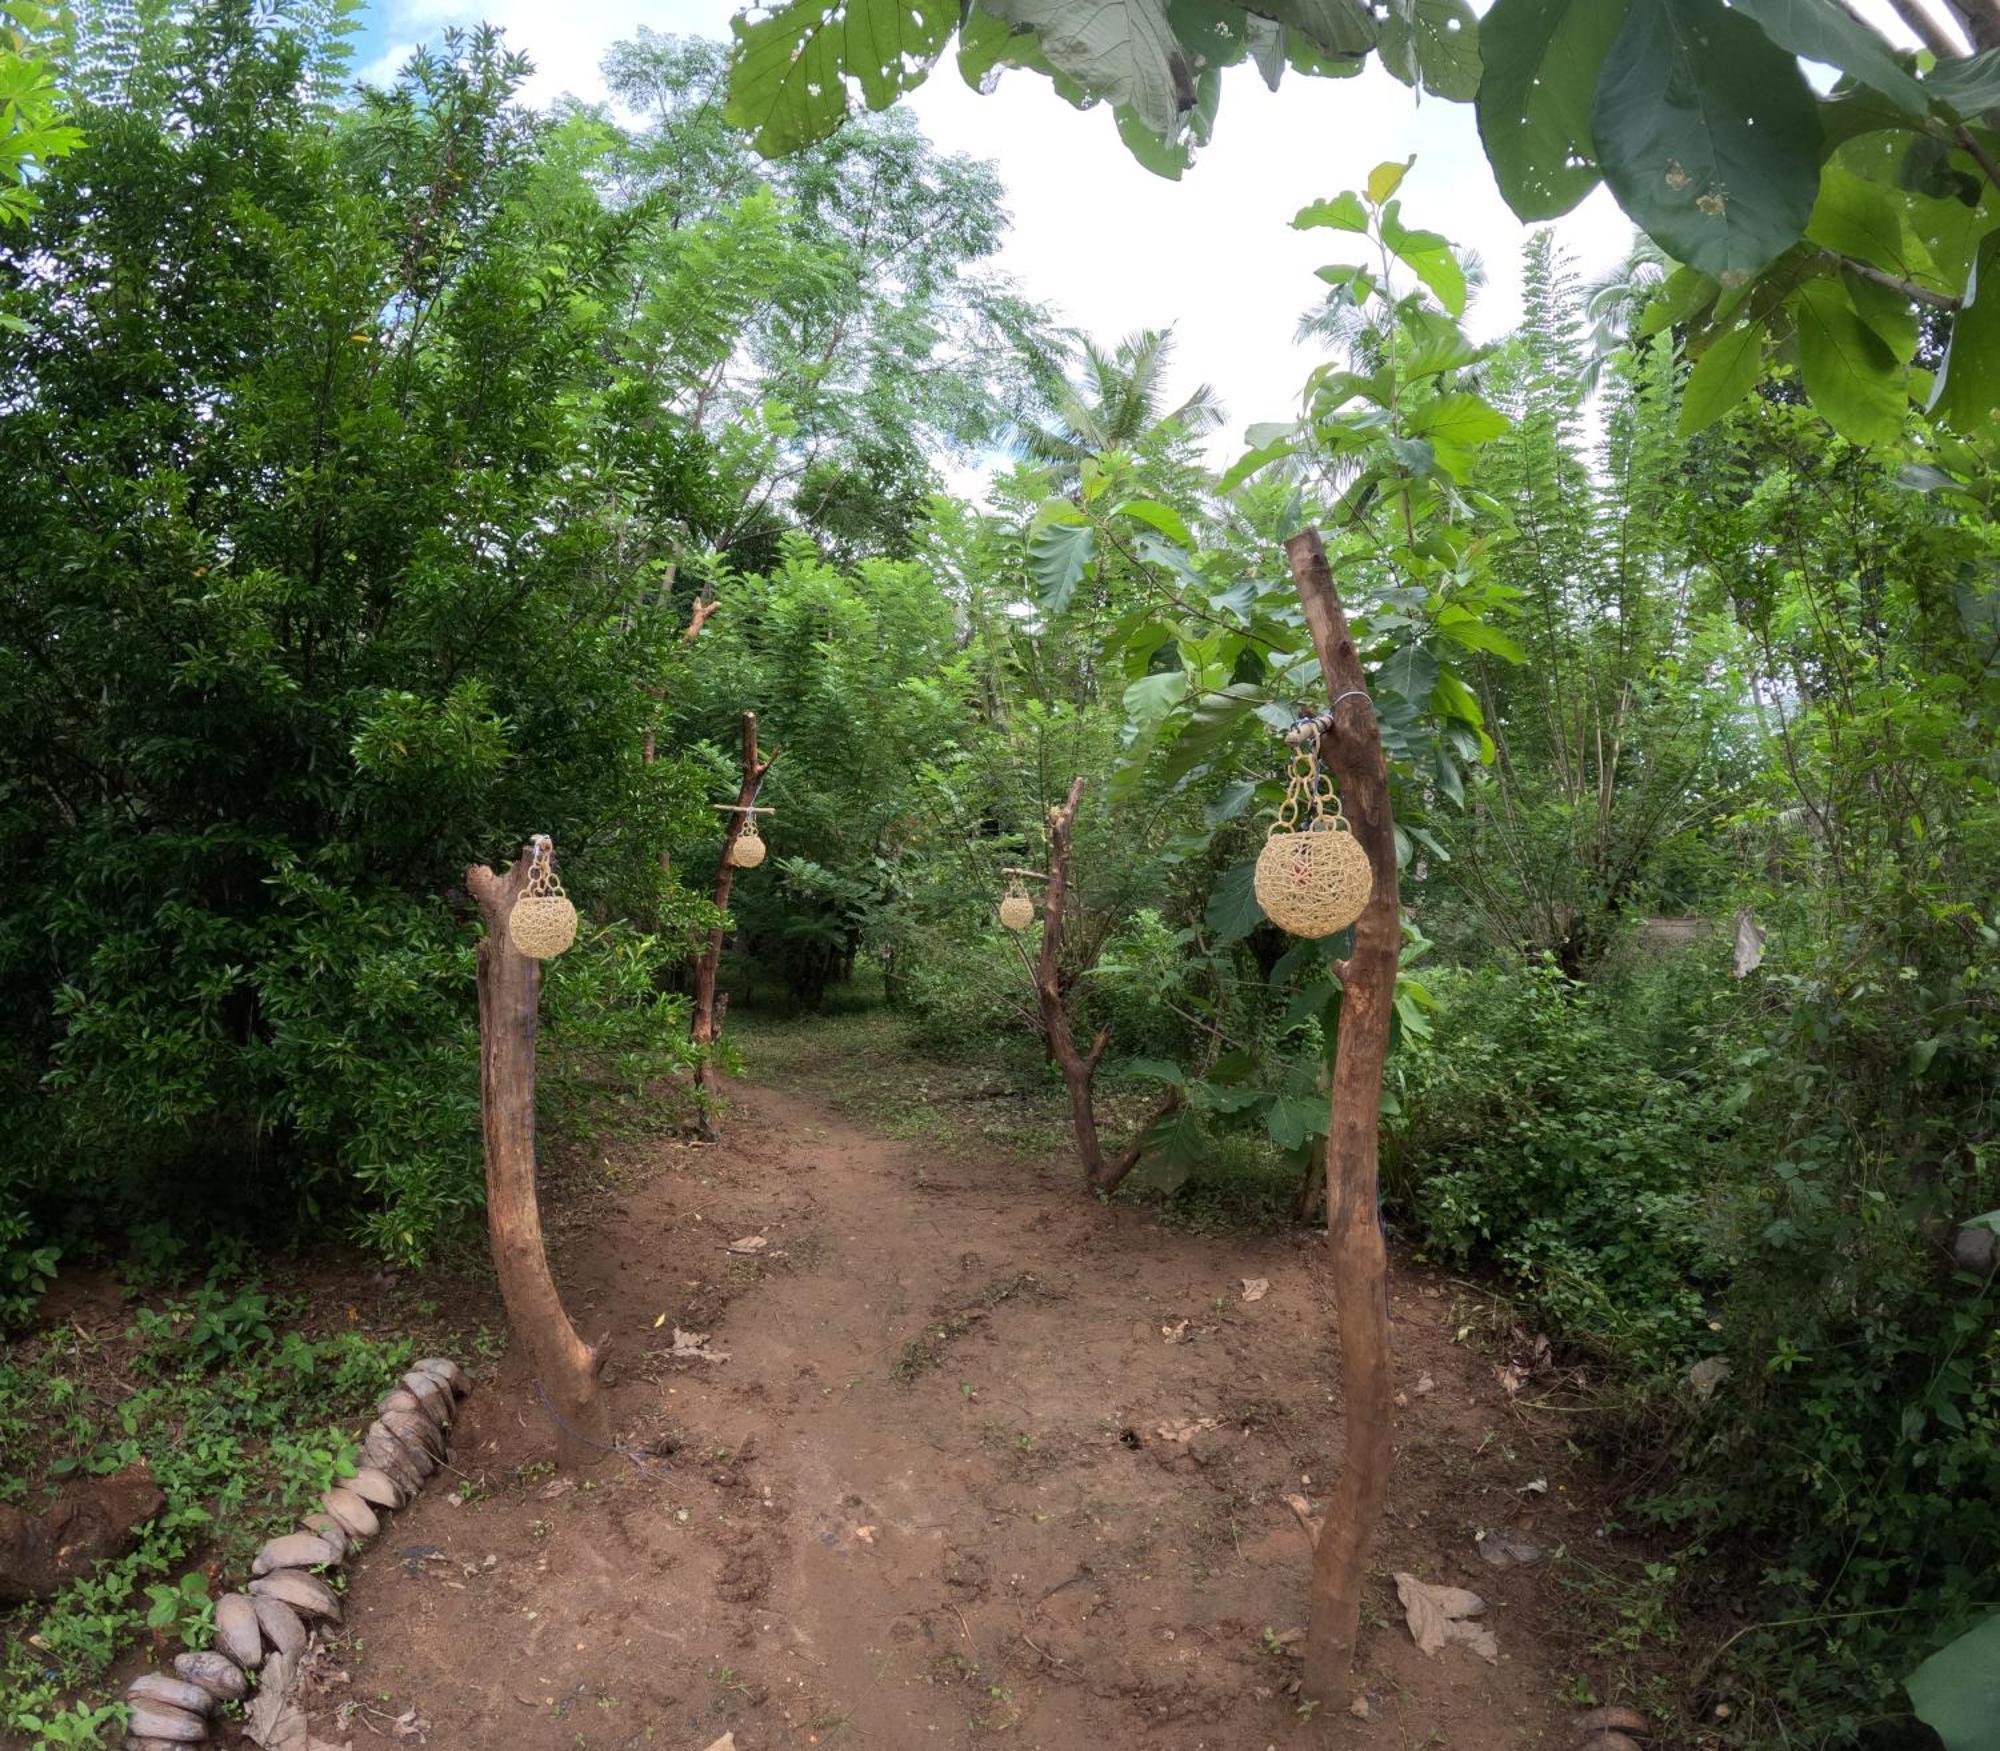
(1504, 1549)
(1709, 1373)
(1256, 1288)
(750, 1243)
(1175, 1333)
(1437, 1615)
(1425, 1384)
(726, 1743)
(1187, 1430)
(694, 1344)
(1309, 1522)
(1512, 1377)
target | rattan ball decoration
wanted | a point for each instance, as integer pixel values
(543, 922)
(1314, 882)
(749, 849)
(1017, 911)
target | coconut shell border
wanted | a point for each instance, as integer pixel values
(263, 1632)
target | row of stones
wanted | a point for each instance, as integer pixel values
(403, 1446)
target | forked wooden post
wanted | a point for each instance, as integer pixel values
(510, 988)
(706, 1026)
(1079, 1069)
(1352, 749)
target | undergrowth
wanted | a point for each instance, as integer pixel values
(241, 1412)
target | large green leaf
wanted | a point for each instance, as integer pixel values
(788, 80)
(1679, 296)
(1967, 397)
(1342, 28)
(1540, 62)
(1233, 911)
(1411, 671)
(1057, 558)
(1956, 1692)
(1708, 135)
(1152, 697)
(1865, 220)
(1123, 51)
(1825, 31)
(1344, 212)
(1435, 43)
(1293, 1118)
(1428, 256)
(1851, 375)
(1722, 376)
(1971, 86)
(1455, 426)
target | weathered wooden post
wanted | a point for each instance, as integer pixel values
(706, 1026)
(510, 988)
(1351, 746)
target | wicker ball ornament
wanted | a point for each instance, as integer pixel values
(1017, 911)
(749, 849)
(543, 922)
(1316, 880)
(1313, 883)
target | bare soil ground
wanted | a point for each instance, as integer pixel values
(986, 1461)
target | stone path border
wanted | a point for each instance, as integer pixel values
(266, 1629)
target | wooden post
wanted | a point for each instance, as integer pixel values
(706, 1027)
(1352, 748)
(1078, 1069)
(510, 988)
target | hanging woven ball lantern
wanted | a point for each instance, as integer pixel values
(1316, 881)
(543, 922)
(749, 849)
(1017, 911)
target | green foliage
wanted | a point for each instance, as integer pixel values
(1533, 1136)
(1696, 114)
(309, 606)
(243, 1417)
(33, 135)
(1957, 1690)
(1708, 135)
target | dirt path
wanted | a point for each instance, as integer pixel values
(987, 1460)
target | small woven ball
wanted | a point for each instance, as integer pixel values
(542, 925)
(1017, 911)
(748, 851)
(1312, 884)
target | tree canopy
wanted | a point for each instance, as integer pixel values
(1809, 229)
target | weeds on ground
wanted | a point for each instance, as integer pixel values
(243, 1419)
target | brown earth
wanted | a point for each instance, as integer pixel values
(986, 1460)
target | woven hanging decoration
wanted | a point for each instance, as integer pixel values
(749, 849)
(543, 922)
(1017, 911)
(1314, 881)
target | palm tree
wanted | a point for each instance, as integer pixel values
(1114, 404)
(1612, 304)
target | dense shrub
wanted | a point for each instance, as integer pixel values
(1533, 1137)
(310, 595)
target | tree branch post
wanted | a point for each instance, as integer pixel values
(1079, 1069)
(706, 1027)
(1351, 747)
(566, 1368)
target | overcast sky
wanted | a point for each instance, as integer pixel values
(1112, 247)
